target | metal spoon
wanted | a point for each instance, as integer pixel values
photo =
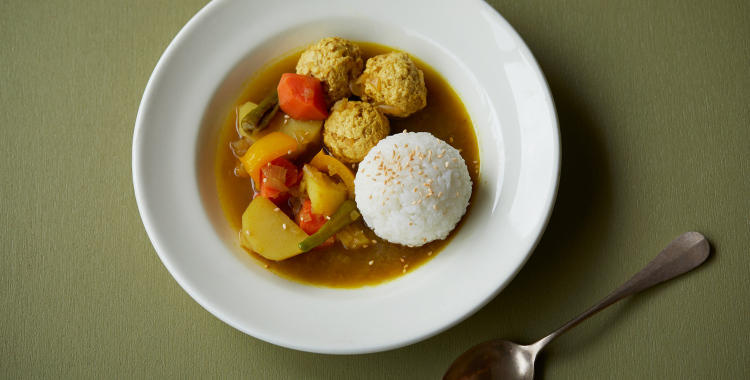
(501, 359)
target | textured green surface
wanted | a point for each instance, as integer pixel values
(653, 102)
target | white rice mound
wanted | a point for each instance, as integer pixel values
(412, 188)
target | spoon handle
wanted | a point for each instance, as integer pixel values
(683, 254)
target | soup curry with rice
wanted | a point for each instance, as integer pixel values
(287, 162)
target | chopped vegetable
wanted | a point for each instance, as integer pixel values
(242, 111)
(306, 132)
(269, 232)
(240, 147)
(345, 214)
(292, 173)
(272, 182)
(276, 178)
(332, 166)
(353, 237)
(265, 150)
(239, 171)
(302, 97)
(259, 117)
(309, 221)
(325, 194)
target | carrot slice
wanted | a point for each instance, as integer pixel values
(301, 97)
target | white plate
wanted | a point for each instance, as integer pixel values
(203, 71)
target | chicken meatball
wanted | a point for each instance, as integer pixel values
(334, 61)
(394, 83)
(352, 129)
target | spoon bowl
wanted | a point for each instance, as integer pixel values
(495, 359)
(501, 359)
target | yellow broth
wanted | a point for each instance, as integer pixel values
(444, 116)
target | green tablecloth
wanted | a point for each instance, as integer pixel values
(653, 104)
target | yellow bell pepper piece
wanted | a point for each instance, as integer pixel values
(265, 150)
(332, 166)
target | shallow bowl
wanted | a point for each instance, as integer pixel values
(202, 73)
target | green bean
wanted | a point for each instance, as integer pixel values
(346, 214)
(261, 115)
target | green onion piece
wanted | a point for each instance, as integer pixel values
(346, 214)
(261, 115)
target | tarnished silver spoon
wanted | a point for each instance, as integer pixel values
(501, 359)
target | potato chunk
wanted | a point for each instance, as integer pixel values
(267, 231)
(308, 134)
(325, 194)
